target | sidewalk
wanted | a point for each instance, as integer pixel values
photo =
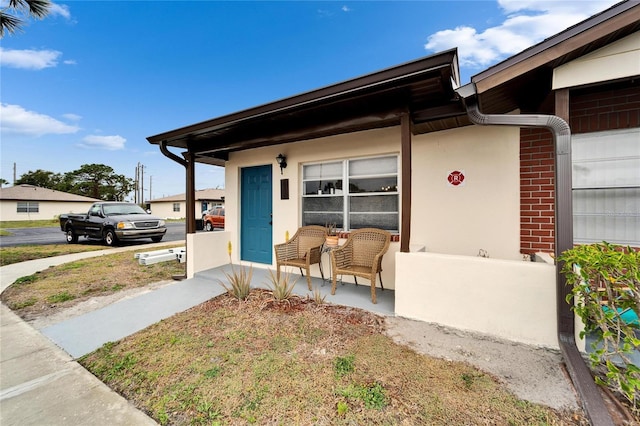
(40, 384)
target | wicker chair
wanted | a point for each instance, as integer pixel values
(302, 251)
(361, 256)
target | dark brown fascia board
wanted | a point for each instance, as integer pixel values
(587, 31)
(424, 65)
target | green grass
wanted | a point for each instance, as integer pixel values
(9, 255)
(15, 224)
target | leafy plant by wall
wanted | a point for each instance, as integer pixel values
(605, 281)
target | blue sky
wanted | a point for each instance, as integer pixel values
(91, 81)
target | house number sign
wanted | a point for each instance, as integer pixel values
(456, 178)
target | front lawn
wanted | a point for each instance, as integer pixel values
(60, 287)
(298, 362)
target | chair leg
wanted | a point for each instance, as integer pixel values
(380, 275)
(355, 279)
(278, 272)
(373, 289)
(309, 277)
(334, 276)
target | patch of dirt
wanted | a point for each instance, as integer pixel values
(533, 374)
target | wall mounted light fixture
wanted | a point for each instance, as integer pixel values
(282, 162)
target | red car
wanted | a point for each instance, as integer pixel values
(214, 218)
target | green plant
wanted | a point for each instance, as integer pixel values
(344, 365)
(27, 279)
(605, 282)
(373, 395)
(239, 282)
(281, 289)
(60, 297)
(331, 228)
(342, 408)
(24, 304)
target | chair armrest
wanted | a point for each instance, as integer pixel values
(285, 251)
(313, 254)
(340, 257)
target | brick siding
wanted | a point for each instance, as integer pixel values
(536, 191)
(597, 109)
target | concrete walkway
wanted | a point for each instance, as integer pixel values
(40, 383)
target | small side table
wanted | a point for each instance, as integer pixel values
(327, 249)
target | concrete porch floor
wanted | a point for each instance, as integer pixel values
(87, 332)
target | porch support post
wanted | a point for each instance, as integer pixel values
(405, 160)
(191, 192)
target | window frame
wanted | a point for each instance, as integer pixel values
(28, 207)
(176, 207)
(346, 194)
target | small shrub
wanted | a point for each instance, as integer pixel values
(281, 289)
(605, 280)
(24, 304)
(342, 408)
(372, 395)
(239, 282)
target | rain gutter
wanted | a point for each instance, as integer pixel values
(580, 374)
(185, 164)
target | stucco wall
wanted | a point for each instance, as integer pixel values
(206, 250)
(164, 209)
(513, 300)
(47, 210)
(481, 214)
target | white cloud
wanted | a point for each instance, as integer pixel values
(527, 22)
(346, 9)
(18, 120)
(110, 143)
(69, 62)
(72, 117)
(60, 10)
(29, 59)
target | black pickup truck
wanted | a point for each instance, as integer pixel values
(112, 222)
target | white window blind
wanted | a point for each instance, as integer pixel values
(606, 187)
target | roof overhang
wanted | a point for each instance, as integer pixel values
(523, 81)
(423, 88)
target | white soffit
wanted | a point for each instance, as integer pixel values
(618, 60)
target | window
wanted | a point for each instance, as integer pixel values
(176, 207)
(356, 193)
(606, 187)
(28, 207)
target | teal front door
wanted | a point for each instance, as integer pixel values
(256, 236)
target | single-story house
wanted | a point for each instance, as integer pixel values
(474, 181)
(29, 202)
(174, 206)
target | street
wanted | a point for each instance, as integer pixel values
(53, 235)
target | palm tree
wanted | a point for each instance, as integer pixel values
(21, 9)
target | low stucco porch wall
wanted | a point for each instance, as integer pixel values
(513, 300)
(206, 250)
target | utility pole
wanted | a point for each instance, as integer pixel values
(14, 173)
(150, 183)
(135, 185)
(142, 183)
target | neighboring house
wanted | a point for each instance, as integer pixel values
(28, 202)
(174, 206)
(397, 150)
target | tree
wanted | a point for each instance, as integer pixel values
(3, 182)
(97, 181)
(41, 178)
(21, 10)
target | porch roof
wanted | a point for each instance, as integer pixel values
(423, 88)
